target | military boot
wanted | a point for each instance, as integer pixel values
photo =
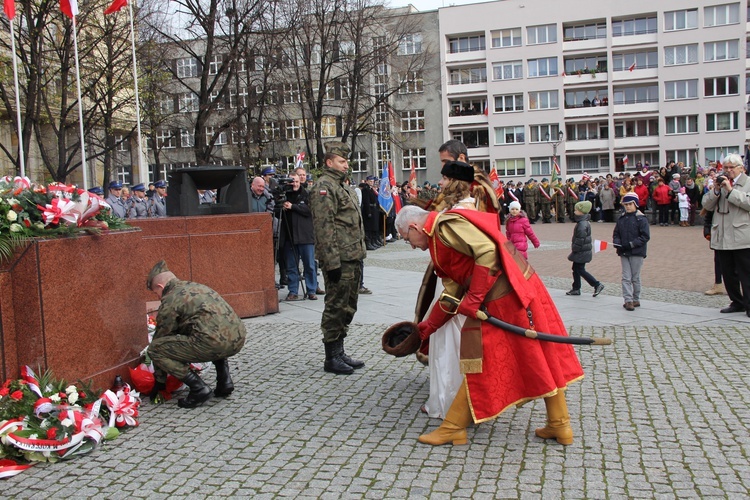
(224, 384)
(199, 391)
(558, 420)
(333, 362)
(354, 363)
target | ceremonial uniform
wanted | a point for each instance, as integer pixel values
(558, 201)
(545, 201)
(138, 207)
(339, 248)
(157, 206)
(115, 201)
(571, 198)
(531, 197)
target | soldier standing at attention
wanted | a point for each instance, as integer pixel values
(339, 247)
(193, 325)
(571, 198)
(558, 199)
(157, 207)
(115, 201)
(138, 206)
(531, 196)
(545, 201)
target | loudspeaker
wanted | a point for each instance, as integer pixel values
(230, 183)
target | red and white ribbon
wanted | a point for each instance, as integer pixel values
(28, 376)
(59, 209)
(10, 468)
(123, 407)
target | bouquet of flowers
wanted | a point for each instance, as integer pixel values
(30, 210)
(47, 420)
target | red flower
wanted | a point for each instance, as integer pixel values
(52, 433)
(4, 392)
(17, 395)
(17, 207)
(62, 395)
(6, 384)
(81, 395)
(27, 222)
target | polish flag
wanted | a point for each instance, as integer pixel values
(69, 8)
(9, 6)
(115, 6)
(413, 180)
(599, 245)
(625, 161)
(631, 67)
(564, 74)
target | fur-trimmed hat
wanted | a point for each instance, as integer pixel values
(458, 170)
(401, 339)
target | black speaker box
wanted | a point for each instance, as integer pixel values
(230, 183)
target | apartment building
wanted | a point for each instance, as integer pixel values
(604, 85)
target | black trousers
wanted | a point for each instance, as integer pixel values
(735, 269)
(579, 271)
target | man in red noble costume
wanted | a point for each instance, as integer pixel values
(480, 267)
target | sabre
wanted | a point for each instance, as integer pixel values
(483, 315)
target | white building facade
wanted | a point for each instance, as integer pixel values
(604, 84)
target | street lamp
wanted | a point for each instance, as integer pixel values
(555, 143)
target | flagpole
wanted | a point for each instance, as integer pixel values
(80, 107)
(21, 161)
(142, 167)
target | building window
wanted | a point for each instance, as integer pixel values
(510, 167)
(221, 138)
(238, 136)
(681, 89)
(543, 67)
(587, 131)
(680, 155)
(270, 131)
(292, 93)
(165, 139)
(682, 124)
(216, 101)
(636, 95)
(188, 102)
(466, 44)
(713, 154)
(508, 103)
(345, 87)
(215, 64)
(719, 122)
(723, 85)
(123, 173)
(258, 62)
(681, 20)
(410, 44)
(358, 161)
(510, 37)
(541, 133)
(166, 105)
(641, 60)
(238, 99)
(586, 98)
(634, 26)
(412, 121)
(547, 99)
(637, 128)
(509, 135)
(411, 83)
(541, 166)
(585, 64)
(541, 34)
(295, 129)
(347, 50)
(122, 143)
(722, 51)
(187, 67)
(416, 157)
(328, 126)
(330, 92)
(473, 138)
(681, 54)
(510, 70)
(467, 107)
(585, 32)
(380, 84)
(720, 15)
(466, 76)
(587, 163)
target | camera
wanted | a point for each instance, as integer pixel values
(283, 186)
(720, 179)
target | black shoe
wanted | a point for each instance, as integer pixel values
(224, 384)
(733, 308)
(354, 363)
(333, 362)
(199, 391)
(283, 281)
(573, 292)
(370, 247)
(598, 289)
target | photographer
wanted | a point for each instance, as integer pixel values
(297, 239)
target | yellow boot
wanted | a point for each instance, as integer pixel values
(558, 420)
(454, 425)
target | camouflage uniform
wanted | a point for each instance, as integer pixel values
(571, 198)
(558, 199)
(339, 244)
(531, 196)
(194, 324)
(544, 202)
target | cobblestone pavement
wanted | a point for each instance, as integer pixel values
(662, 413)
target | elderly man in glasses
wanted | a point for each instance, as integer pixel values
(729, 199)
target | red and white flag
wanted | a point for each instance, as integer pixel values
(625, 160)
(600, 245)
(413, 180)
(631, 67)
(557, 167)
(69, 8)
(300, 157)
(115, 6)
(9, 6)
(495, 180)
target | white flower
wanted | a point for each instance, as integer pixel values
(67, 422)
(55, 398)
(12, 216)
(72, 398)
(12, 201)
(39, 225)
(15, 228)
(34, 436)
(71, 389)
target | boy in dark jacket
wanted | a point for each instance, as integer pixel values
(582, 250)
(630, 238)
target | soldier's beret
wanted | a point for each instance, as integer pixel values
(160, 267)
(160, 184)
(545, 180)
(139, 187)
(458, 170)
(401, 339)
(337, 148)
(115, 185)
(96, 190)
(570, 179)
(268, 171)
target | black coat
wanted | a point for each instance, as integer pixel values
(632, 229)
(370, 208)
(581, 249)
(297, 223)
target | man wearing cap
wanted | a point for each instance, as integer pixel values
(545, 201)
(339, 246)
(194, 324)
(268, 176)
(138, 206)
(571, 198)
(115, 201)
(157, 206)
(558, 199)
(97, 190)
(531, 197)
(482, 269)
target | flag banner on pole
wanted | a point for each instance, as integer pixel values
(392, 180)
(413, 180)
(300, 156)
(631, 67)
(556, 165)
(115, 6)
(720, 161)
(385, 199)
(600, 245)
(495, 180)
(9, 6)
(69, 8)
(625, 160)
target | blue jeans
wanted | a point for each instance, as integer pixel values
(307, 253)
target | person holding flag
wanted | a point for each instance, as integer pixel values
(630, 238)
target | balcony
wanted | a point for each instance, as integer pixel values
(582, 112)
(467, 88)
(590, 44)
(626, 41)
(465, 56)
(585, 78)
(587, 145)
(479, 152)
(636, 142)
(636, 74)
(637, 107)
(472, 119)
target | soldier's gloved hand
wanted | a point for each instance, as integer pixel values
(334, 275)
(155, 395)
